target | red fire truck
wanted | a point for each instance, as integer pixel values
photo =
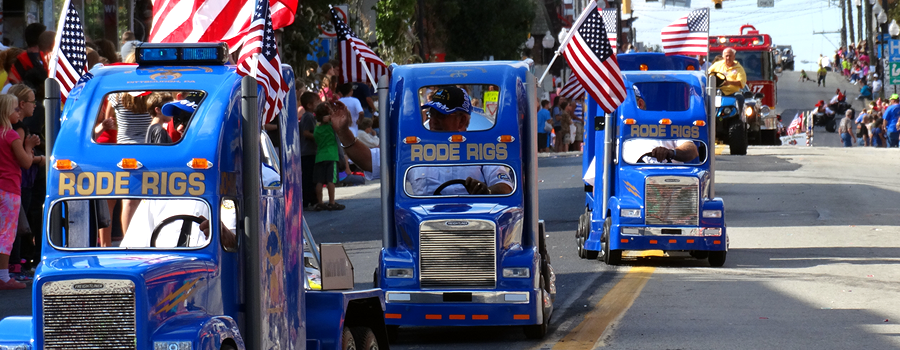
(754, 52)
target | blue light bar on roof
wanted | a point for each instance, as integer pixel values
(180, 54)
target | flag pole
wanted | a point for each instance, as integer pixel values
(362, 62)
(555, 55)
(562, 44)
(59, 29)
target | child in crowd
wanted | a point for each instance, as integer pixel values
(156, 133)
(15, 153)
(325, 170)
(308, 100)
(367, 135)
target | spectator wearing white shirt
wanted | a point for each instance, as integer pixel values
(345, 91)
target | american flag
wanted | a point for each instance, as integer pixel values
(70, 59)
(611, 20)
(261, 53)
(351, 49)
(572, 90)
(193, 21)
(796, 125)
(593, 61)
(688, 35)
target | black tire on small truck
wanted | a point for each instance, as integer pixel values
(737, 138)
(610, 257)
(365, 338)
(581, 236)
(347, 340)
(716, 258)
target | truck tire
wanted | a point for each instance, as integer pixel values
(737, 138)
(538, 331)
(228, 346)
(365, 338)
(717, 258)
(610, 257)
(581, 236)
(347, 341)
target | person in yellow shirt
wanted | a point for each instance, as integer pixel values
(735, 78)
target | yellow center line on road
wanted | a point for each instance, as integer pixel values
(609, 309)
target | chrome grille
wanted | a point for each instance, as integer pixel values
(89, 314)
(672, 200)
(457, 254)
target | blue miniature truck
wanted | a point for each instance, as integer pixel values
(635, 200)
(451, 258)
(170, 283)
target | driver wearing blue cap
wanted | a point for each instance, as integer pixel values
(448, 110)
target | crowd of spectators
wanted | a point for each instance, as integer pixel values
(854, 64)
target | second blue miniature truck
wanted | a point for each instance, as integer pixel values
(172, 284)
(635, 201)
(451, 258)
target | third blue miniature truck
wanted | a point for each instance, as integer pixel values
(172, 284)
(635, 201)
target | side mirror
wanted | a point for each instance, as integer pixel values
(720, 79)
(758, 96)
(747, 94)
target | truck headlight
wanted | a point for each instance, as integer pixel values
(399, 273)
(516, 272)
(765, 110)
(727, 111)
(171, 345)
(712, 231)
(630, 213)
(748, 111)
(712, 214)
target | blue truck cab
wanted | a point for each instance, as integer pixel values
(237, 283)
(633, 200)
(451, 258)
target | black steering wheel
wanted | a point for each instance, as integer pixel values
(185, 228)
(650, 154)
(437, 192)
(720, 79)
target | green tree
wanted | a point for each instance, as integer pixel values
(394, 30)
(475, 30)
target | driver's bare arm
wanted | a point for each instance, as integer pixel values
(229, 240)
(685, 152)
(477, 187)
(357, 151)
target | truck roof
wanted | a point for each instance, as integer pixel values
(439, 73)
(694, 95)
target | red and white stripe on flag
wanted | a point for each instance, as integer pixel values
(593, 61)
(573, 89)
(688, 35)
(193, 21)
(355, 54)
(260, 43)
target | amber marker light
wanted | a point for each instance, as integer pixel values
(411, 139)
(506, 138)
(129, 164)
(691, 67)
(653, 241)
(630, 121)
(699, 123)
(624, 240)
(644, 67)
(64, 164)
(665, 121)
(200, 164)
(457, 138)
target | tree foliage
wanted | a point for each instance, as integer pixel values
(475, 30)
(394, 30)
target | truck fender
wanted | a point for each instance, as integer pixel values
(16, 331)
(210, 332)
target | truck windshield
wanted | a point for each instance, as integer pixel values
(673, 96)
(154, 223)
(145, 117)
(484, 99)
(460, 180)
(637, 151)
